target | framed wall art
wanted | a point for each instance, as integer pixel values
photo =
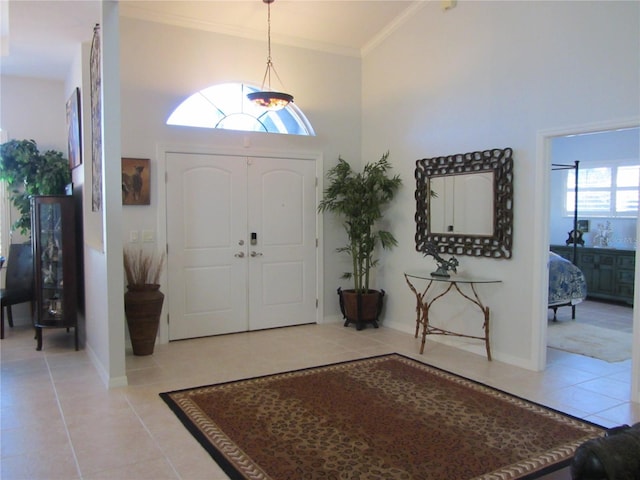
(96, 122)
(74, 138)
(136, 187)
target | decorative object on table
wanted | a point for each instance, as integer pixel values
(583, 225)
(444, 266)
(575, 237)
(603, 237)
(28, 172)
(481, 189)
(55, 264)
(143, 300)
(359, 199)
(136, 185)
(381, 417)
(74, 136)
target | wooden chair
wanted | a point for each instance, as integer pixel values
(18, 282)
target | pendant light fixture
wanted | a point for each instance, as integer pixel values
(268, 98)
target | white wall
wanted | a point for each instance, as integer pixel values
(492, 75)
(163, 65)
(483, 75)
(32, 109)
(591, 150)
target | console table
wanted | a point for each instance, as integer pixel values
(423, 304)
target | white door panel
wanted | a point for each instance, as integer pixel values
(219, 282)
(282, 289)
(206, 218)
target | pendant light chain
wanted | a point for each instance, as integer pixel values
(269, 62)
(269, 99)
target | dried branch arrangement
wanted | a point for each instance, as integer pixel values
(143, 268)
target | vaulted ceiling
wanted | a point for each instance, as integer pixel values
(39, 38)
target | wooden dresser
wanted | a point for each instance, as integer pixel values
(609, 272)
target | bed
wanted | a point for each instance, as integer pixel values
(567, 285)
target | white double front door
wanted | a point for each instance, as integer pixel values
(241, 236)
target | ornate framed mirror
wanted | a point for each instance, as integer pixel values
(464, 203)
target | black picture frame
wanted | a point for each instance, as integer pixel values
(74, 134)
(500, 244)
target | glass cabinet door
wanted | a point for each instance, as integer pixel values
(55, 263)
(51, 262)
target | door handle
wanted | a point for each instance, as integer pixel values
(256, 254)
(239, 255)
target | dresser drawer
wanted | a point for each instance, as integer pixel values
(625, 276)
(626, 261)
(625, 291)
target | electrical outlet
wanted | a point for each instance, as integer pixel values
(148, 236)
(134, 236)
(447, 4)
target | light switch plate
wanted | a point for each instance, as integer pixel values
(148, 236)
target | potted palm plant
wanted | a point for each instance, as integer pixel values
(359, 199)
(143, 299)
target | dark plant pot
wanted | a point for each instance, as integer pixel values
(361, 308)
(142, 307)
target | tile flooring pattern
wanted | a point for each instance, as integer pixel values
(58, 421)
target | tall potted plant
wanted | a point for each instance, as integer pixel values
(143, 299)
(29, 172)
(359, 199)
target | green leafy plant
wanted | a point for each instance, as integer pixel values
(359, 198)
(29, 172)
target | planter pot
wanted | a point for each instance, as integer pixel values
(361, 308)
(142, 307)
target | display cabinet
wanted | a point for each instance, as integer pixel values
(55, 263)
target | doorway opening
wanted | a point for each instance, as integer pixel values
(609, 164)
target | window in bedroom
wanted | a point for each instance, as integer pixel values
(609, 190)
(226, 106)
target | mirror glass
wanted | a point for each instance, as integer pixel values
(464, 203)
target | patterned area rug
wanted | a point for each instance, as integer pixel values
(386, 417)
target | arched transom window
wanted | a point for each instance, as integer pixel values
(226, 106)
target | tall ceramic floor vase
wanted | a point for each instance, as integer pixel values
(142, 307)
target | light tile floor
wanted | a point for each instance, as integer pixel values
(58, 421)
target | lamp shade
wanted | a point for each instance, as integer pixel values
(270, 100)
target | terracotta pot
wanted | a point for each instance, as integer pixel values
(142, 307)
(361, 308)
